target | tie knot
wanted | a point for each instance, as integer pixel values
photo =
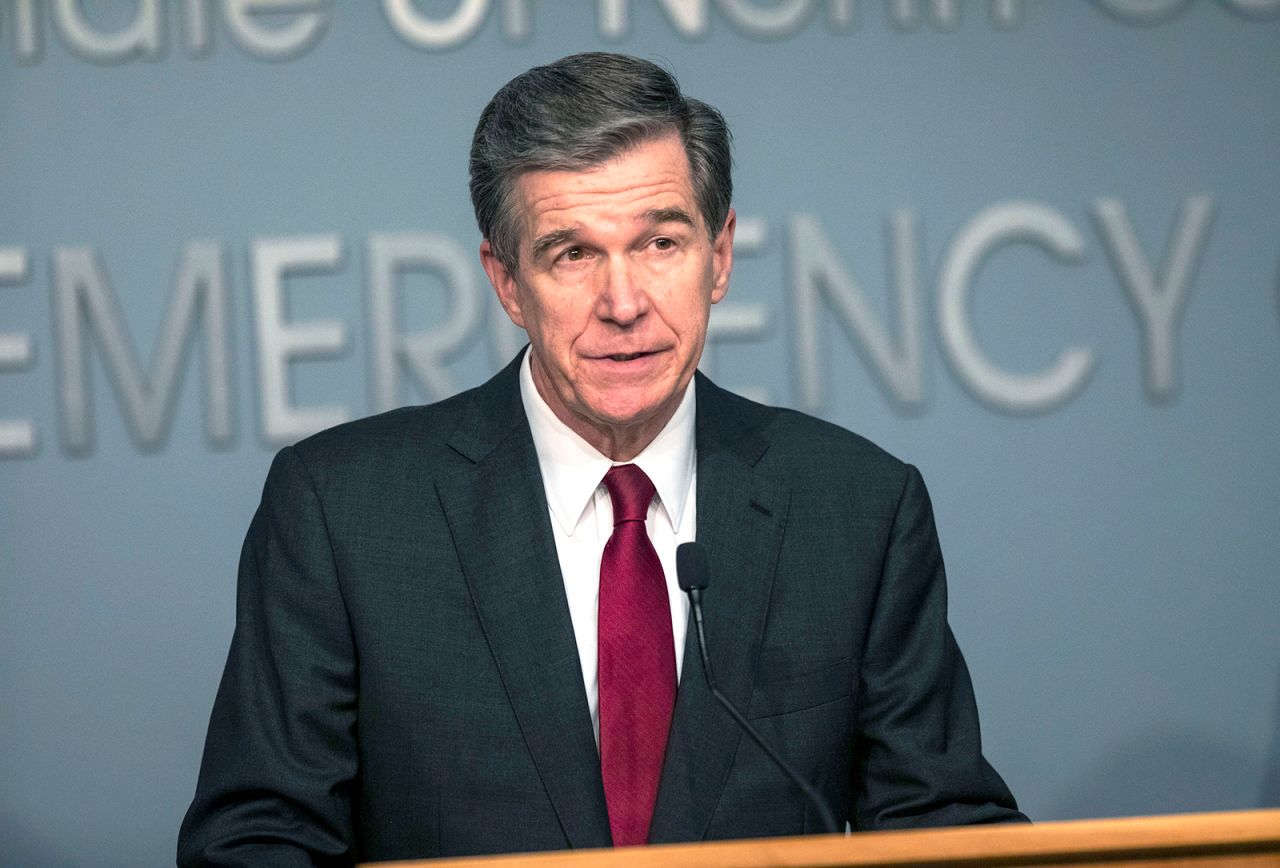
(631, 492)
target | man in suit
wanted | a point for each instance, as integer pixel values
(458, 627)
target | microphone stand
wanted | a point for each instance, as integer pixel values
(693, 586)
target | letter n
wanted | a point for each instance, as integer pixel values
(818, 275)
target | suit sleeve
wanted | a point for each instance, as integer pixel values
(919, 756)
(280, 758)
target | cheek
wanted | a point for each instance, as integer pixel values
(555, 328)
(691, 311)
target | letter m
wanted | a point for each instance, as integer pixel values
(85, 309)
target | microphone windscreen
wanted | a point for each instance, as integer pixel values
(692, 570)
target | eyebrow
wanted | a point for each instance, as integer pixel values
(667, 215)
(545, 242)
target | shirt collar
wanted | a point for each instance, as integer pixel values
(572, 468)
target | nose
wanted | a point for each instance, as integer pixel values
(623, 298)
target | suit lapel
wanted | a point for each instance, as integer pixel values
(741, 517)
(497, 512)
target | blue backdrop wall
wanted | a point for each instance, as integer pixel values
(1032, 247)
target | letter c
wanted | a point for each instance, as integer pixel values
(995, 227)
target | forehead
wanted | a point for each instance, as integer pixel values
(650, 177)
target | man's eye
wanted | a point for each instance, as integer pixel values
(573, 254)
(664, 243)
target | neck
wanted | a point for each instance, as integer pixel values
(620, 445)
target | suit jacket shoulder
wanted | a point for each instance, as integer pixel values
(806, 452)
(418, 443)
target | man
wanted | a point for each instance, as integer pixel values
(444, 645)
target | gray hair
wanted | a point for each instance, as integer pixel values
(579, 112)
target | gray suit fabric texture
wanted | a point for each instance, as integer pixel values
(403, 681)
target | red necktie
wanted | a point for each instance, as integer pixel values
(637, 660)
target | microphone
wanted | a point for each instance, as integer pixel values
(693, 573)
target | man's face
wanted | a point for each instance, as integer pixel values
(617, 276)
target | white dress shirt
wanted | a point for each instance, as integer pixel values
(582, 515)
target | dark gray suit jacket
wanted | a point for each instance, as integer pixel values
(403, 680)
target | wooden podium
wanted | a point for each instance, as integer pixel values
(1217, 840)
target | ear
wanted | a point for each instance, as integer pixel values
(722, 257)
(504, 282)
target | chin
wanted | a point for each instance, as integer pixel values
(623, 414)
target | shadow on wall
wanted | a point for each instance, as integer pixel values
(1271, 777)
(1167, 772)
(21, 846)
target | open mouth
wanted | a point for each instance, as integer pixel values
(626, 357)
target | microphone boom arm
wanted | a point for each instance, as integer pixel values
(815, 799)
